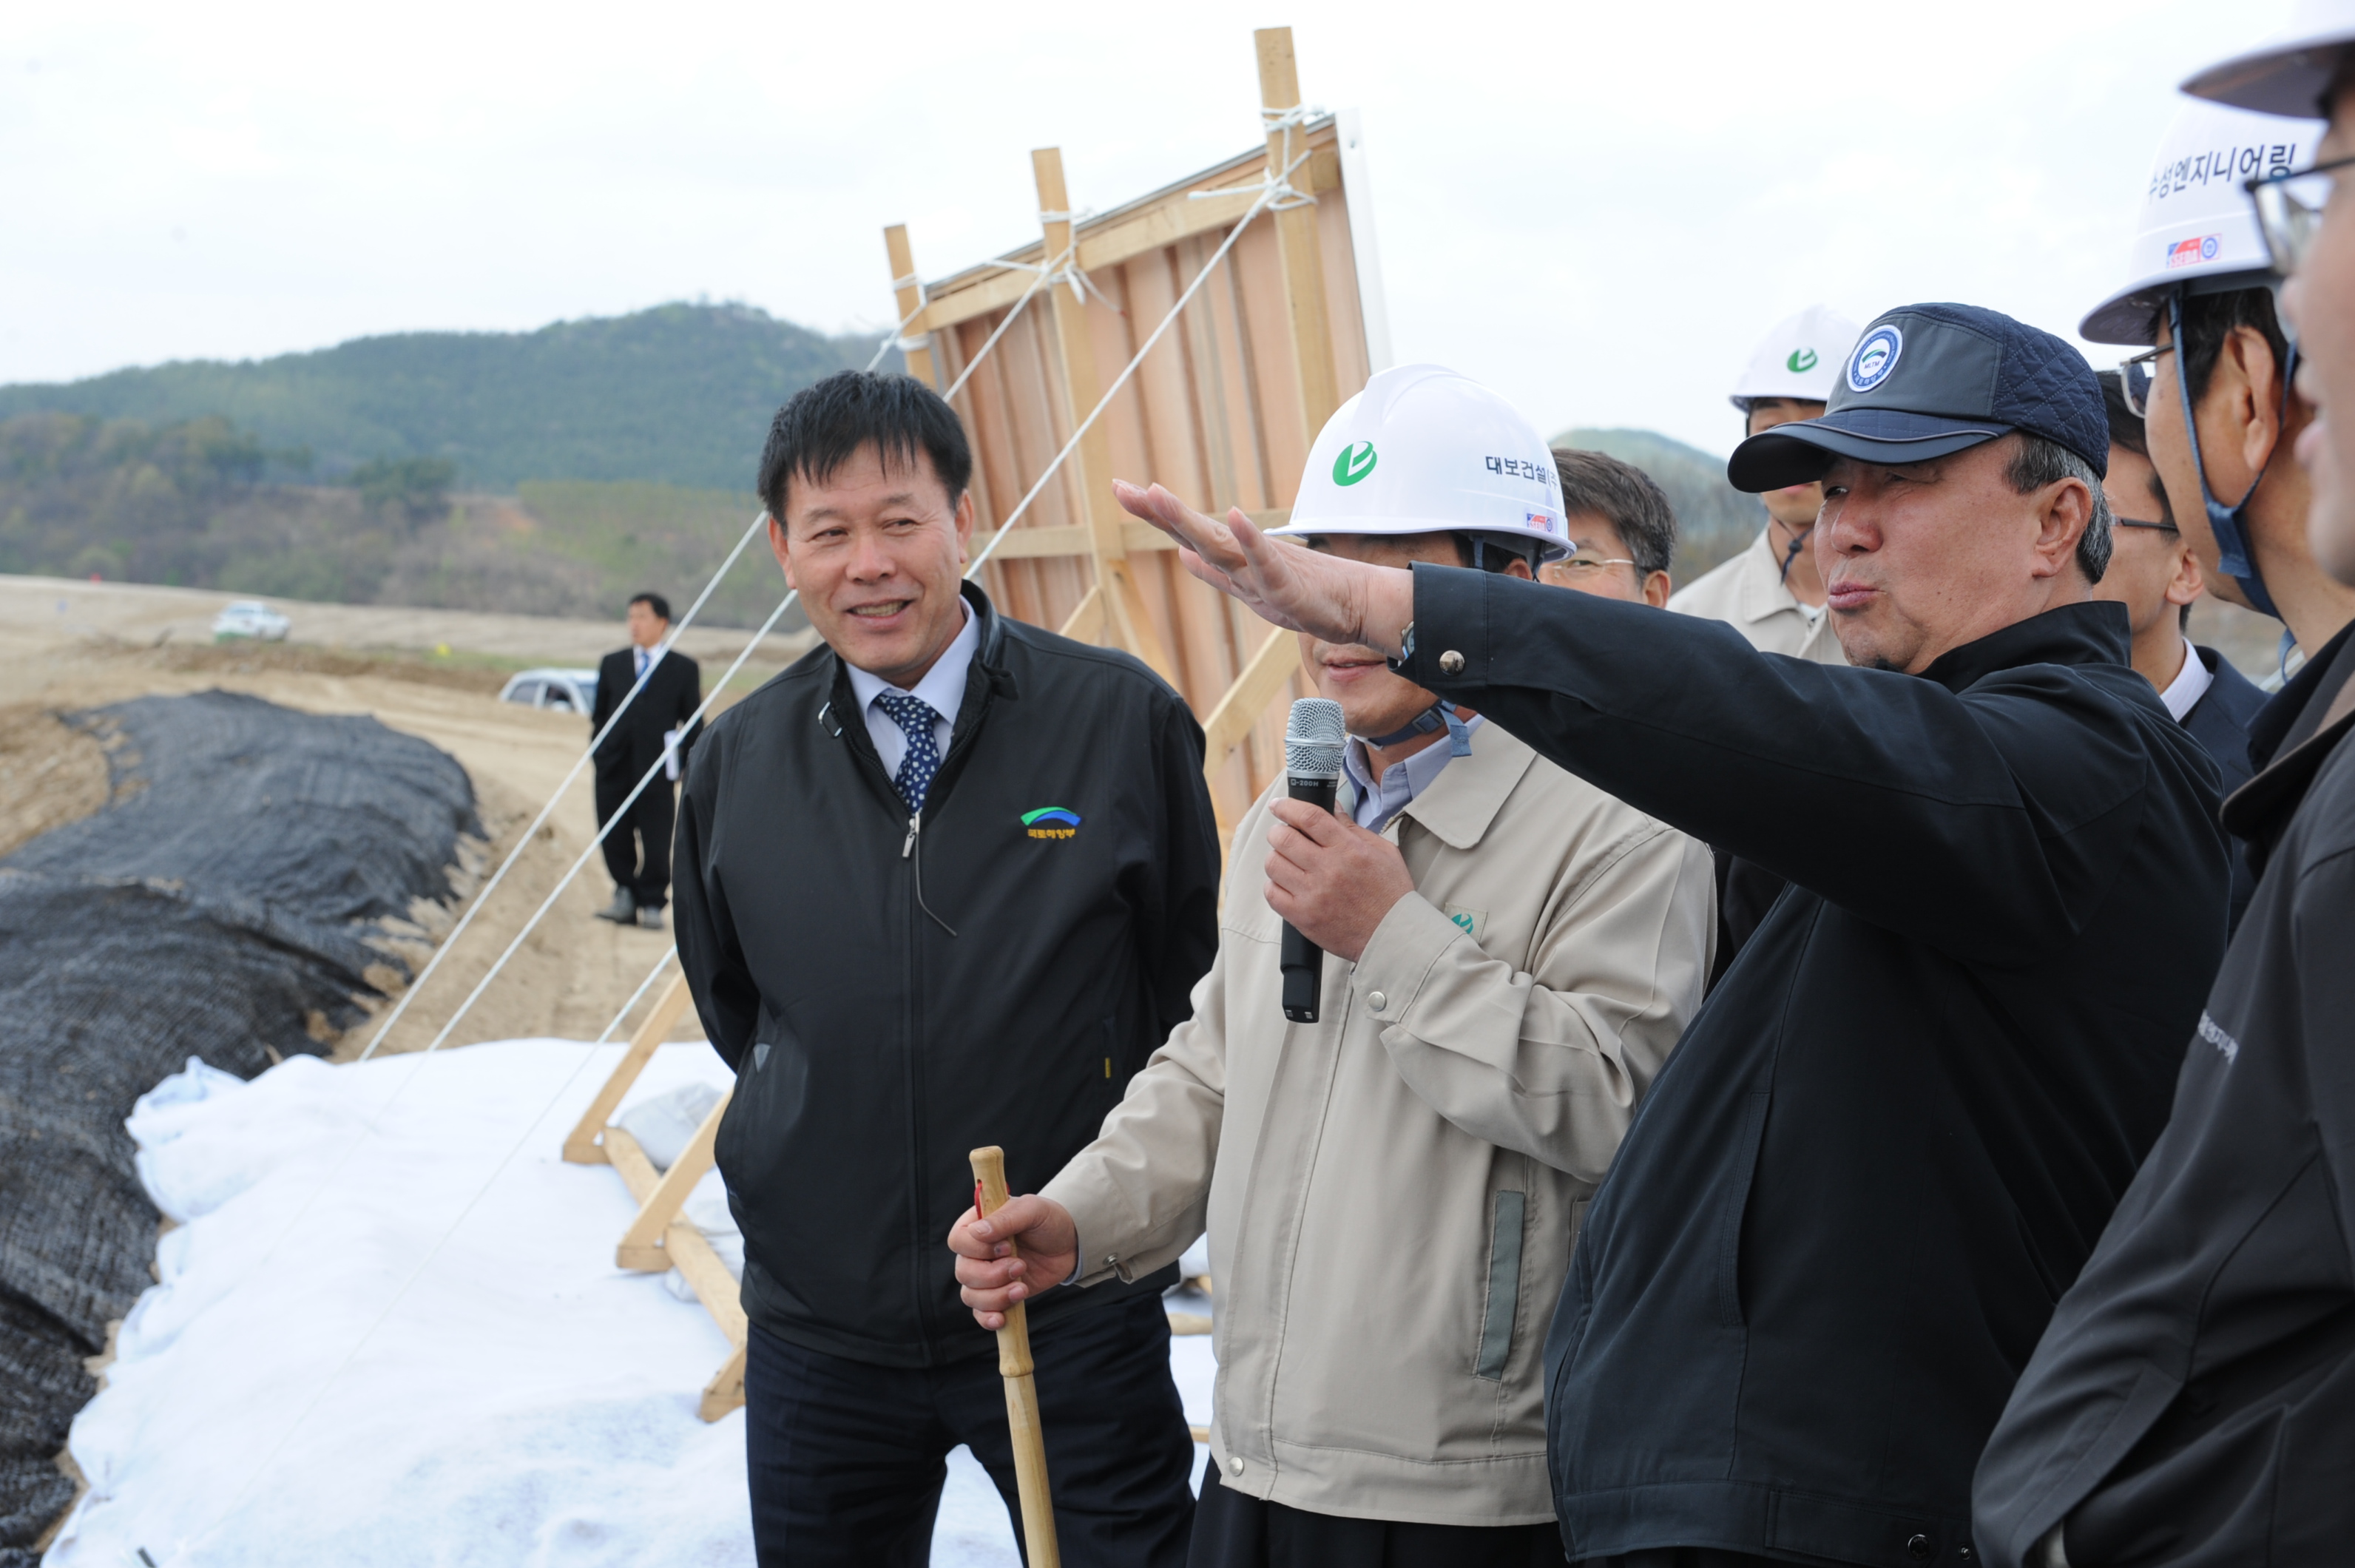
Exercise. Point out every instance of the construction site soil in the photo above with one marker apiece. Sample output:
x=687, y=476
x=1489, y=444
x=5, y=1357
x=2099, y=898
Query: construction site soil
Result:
x=242, y=852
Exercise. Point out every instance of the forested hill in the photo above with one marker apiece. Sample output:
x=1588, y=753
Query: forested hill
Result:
x=681, y=394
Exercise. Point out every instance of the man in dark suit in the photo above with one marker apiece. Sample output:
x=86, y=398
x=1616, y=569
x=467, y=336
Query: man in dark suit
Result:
x=2156, y=574
x=653, y=733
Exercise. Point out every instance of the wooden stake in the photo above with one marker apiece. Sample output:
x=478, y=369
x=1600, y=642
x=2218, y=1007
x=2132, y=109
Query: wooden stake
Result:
x=1091, y=466
x=906, y=292
x=1295, y=237
x=1021, y=1393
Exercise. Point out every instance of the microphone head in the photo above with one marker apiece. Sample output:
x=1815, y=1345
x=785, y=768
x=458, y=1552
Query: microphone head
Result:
x=1313, y=739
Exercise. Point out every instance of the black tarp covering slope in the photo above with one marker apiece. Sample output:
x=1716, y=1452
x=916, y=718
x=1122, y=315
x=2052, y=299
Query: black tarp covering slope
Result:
x=226, y=895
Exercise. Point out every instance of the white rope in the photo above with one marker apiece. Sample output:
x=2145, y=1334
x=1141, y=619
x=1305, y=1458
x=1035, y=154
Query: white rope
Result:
x=482, y=898
x=1275, y=186
x=644, y=986
x=893, y=339
x=1264, y=201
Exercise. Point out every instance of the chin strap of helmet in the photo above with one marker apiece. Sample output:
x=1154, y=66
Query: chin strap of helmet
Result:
x=2236, y=559
x=1798, y=542
x=1459, y=734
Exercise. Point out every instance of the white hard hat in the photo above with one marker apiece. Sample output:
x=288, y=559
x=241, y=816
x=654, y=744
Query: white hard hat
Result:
x=2289, y=73
x=2198, y=228
x=1424, y=450
x=1800, y=358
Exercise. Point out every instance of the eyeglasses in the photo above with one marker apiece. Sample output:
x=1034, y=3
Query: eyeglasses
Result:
x=1582, y=563
x=2133, y=523
x=2289, y=209
x=2134, y=379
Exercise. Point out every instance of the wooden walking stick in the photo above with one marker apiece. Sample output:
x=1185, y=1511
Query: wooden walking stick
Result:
x=1021, y=1393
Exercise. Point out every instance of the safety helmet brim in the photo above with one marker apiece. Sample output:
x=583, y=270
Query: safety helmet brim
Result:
x=2288, y=73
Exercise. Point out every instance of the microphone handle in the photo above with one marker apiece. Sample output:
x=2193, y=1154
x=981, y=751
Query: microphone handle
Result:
x=1301, y=960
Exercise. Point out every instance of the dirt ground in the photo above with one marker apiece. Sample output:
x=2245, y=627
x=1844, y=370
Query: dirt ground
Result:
x=432, y=673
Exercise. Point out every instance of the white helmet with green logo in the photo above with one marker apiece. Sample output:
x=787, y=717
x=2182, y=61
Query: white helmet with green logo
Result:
x=1800, y=358
x=1424, y=450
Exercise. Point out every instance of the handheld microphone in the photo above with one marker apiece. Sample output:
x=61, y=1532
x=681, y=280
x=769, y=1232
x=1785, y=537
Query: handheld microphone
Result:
x=1313, y=739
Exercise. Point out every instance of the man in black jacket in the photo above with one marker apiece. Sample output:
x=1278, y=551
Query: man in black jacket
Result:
x=1888, y=1140
x=652, y=734
x=2155, y=572
x=947, y=882
x=2194, y=1399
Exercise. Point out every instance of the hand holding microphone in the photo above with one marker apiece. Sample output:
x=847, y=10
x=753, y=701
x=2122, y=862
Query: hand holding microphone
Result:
x=1313, y=739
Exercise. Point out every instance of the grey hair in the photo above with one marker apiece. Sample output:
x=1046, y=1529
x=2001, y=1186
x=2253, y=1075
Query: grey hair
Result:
x=2037, y=463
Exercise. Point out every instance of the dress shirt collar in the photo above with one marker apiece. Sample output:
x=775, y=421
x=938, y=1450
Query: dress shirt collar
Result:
x=942, y=688
x=2189, y=685
x=1381, y=799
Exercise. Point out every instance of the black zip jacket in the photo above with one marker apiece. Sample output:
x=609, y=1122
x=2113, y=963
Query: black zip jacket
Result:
x=893, y=995
x=1891, y=1135
x=674, y=691
x=2194, y=1399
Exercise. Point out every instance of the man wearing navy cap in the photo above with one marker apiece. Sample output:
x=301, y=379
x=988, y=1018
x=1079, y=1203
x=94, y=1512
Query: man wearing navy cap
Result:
x=1883, y=1149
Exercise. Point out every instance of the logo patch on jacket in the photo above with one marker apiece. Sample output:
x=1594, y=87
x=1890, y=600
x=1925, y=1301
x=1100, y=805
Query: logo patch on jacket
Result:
x=1051, y=822
x=1472, y=921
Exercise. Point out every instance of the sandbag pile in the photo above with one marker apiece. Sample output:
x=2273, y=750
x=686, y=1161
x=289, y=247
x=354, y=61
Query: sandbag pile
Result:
x=221, y=906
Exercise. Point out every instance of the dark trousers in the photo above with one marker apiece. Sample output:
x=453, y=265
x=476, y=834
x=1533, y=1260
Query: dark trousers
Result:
x=848, y=1460
x=1233, y=1530
x=637, y=852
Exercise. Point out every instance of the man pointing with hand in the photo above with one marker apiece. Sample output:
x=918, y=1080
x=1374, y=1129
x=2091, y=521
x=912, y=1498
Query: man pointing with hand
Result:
x=1509, y=954
x=1830, y=1243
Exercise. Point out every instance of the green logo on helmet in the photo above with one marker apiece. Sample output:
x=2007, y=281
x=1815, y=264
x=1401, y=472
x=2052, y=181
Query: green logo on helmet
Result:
x=1801, y=361
x=1354, y=463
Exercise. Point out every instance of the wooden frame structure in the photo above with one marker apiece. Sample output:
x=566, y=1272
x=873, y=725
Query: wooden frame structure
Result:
x=1222, y=410
x=660, y=1238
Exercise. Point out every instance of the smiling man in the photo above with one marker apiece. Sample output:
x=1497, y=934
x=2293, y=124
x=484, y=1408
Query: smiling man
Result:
x=1887, y=1142
x=1510, y=955
x=945, y=882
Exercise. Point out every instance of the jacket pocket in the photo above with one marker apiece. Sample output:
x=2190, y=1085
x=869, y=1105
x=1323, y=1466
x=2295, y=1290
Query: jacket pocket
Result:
x=1504, y=1285
x=1729, y=1247
x=763, y=1111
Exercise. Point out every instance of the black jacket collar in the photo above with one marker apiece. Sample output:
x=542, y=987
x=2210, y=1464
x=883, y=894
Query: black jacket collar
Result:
x=2089, y=632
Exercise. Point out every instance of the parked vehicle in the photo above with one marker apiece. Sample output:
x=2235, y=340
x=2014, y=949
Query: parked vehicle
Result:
x=251, y=618
x=567, y=691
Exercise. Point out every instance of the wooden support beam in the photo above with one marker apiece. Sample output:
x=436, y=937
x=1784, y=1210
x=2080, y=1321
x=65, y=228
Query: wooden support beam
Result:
x=1091, y=464
x=1295, y=238
x=642, y=1246
x=581, y=1144
x=1245, y=701
x=907, y=295
x=1086, y=621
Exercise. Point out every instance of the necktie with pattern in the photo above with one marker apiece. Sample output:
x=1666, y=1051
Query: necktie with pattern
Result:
x=915, y=718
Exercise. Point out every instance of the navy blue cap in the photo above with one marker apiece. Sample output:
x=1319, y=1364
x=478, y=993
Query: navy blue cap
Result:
x=1928, y=380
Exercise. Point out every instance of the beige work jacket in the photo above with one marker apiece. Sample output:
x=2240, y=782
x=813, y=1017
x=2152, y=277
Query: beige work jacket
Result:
x=1747, y=594
x=1391, y=1193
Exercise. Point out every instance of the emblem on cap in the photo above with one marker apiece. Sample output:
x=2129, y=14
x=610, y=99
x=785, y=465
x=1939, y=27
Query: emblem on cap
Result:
x=1874, y=358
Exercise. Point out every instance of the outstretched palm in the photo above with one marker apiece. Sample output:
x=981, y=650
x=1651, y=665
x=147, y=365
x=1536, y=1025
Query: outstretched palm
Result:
x=1302, y=590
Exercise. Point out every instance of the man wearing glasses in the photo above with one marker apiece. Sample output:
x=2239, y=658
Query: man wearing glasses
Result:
x=2193, y=1399
x=2156, y=574
x=1623, y=531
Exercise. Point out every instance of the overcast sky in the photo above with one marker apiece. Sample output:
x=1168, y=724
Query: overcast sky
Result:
x=1596, y=207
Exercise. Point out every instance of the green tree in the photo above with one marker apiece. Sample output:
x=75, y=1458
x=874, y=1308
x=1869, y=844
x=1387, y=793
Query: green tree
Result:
x=418, y=488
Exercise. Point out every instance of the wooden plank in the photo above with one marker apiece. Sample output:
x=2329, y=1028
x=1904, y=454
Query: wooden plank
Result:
x=725, y=1392
x=1148, y=224
x=907, y=293
x=1247, y=700
x=642, y=1244
x=1086, y=622
x=581, y=1144
x=1027, y=544
x=638, y=1172
x=1296, y=239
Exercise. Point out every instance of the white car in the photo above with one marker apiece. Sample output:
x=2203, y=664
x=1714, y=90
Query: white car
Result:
x=251, y=618
x=566, y=691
